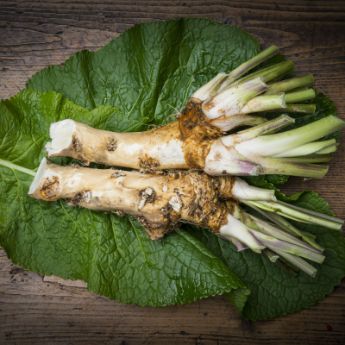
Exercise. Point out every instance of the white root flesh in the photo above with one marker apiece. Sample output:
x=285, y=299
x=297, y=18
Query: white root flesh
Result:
x=162, y=149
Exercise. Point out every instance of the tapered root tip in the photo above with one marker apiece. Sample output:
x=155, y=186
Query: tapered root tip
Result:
x=61, y=134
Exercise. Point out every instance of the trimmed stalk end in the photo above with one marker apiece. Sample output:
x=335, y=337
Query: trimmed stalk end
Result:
x=236, y=229
x=222, y=160
x=210, y=88
x=290, y=84
x=230, y=101
x=300, y=96
x=241, y=190
x=264, y=103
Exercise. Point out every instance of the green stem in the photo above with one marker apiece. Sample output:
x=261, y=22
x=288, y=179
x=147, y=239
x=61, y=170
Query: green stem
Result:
x=308, y=149
x=230, y=122
x=234, y=228
x=310, y=159
x=299, y=263
x=249, y=65
x=271, y=72
x=299, y=96
x=274, y=244
x=264, y=103
x=231, y=101
x=328, y=149
x=301, y=108
x=267, y=127
x=288, y=227
x=13, y=166
x=272, y=230
x=250, y=89
x=274, y=144
x=299, y=214
x=286, y=166
x=210, y=88
x=290, y=84
x=241, y=191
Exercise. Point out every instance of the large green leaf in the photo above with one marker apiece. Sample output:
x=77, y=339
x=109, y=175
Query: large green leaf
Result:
x=146, y=74
x=112, y=254
x=151, y=70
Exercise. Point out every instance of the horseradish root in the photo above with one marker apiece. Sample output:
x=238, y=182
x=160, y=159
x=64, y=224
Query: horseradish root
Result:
x=253, y=151
x=160, y=201
x=198, y=138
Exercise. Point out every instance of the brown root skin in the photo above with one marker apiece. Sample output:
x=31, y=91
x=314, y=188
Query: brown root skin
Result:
x=197, y=134
x=148, y=163
x=193, y=121
x=158, y=201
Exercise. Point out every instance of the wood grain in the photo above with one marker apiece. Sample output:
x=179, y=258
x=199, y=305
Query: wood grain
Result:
x=34, y=34
x=35, y=312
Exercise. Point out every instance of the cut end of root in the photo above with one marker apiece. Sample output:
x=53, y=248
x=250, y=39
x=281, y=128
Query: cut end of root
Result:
x=38, y=177
x=61, y=134
x=46, y=183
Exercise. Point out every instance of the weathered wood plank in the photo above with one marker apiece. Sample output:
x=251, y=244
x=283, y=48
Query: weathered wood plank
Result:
x=33, y=311
x=34, y=34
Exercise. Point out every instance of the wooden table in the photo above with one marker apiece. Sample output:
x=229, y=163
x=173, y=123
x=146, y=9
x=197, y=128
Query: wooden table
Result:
x=34, y=35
